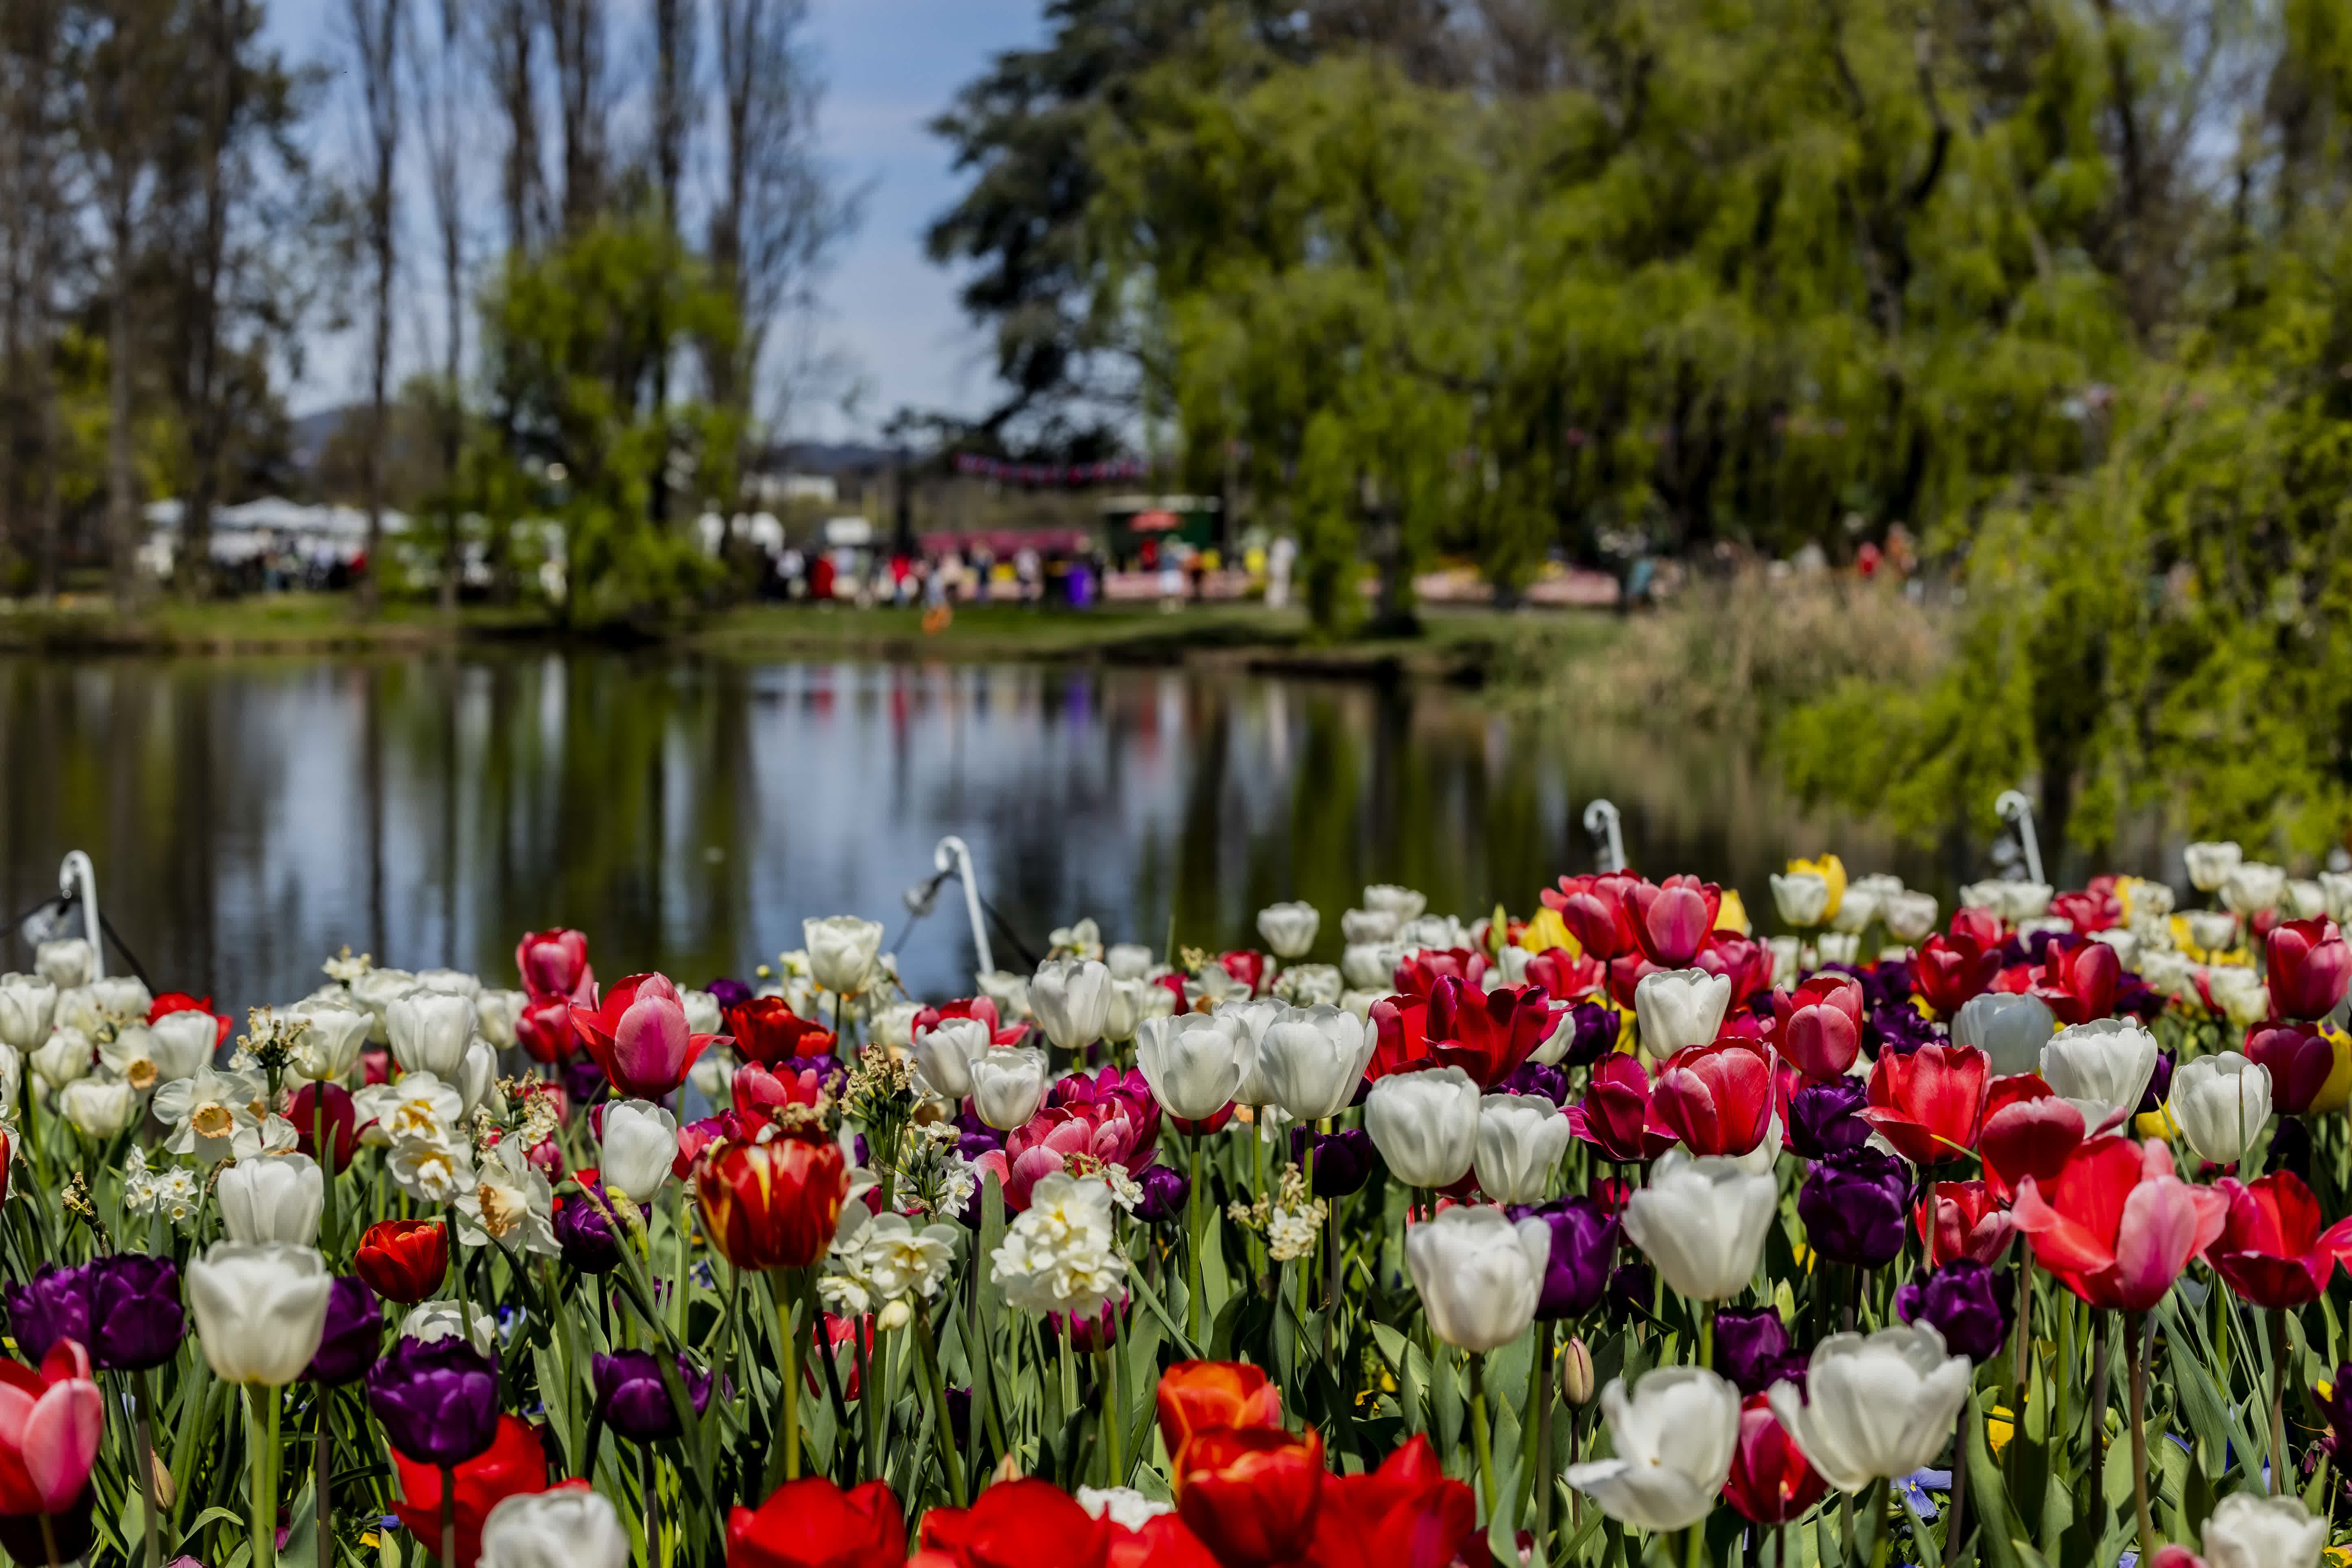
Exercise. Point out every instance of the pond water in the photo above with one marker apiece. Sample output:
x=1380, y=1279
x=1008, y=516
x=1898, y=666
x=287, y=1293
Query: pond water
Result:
x=249, y=818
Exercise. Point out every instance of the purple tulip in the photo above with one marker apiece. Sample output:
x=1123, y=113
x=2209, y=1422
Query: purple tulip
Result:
x=135, y=1315
x=2336, y=1410
x=586, y=1236
x=1583, y=1245
x=1752, y=1350
x=632, y=1400
x=438, y=1403
x=1631, y=1290
x=1853, y=1206
x=2290, y=1148
x=354, y=1334
x=2159, y=1084
x=1898, y=1026
x=583, y=1080
x=729, y=992
x=1595, y=1036
x=54, y=1306
x=1963, y=1300
x=1535, y=1078
x=1343, y=1160
x=1824, y=1117
x=1164, y=1191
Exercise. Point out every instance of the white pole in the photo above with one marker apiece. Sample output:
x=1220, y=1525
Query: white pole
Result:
x=954, y=855
x=77, y=878
x=1599, y=818
x=2016, y=810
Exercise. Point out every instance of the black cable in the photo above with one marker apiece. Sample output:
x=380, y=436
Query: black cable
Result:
x=124, y=948
x=1028, y=958
x=18, y=923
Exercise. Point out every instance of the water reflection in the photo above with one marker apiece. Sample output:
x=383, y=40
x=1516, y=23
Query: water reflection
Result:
x=246, y=817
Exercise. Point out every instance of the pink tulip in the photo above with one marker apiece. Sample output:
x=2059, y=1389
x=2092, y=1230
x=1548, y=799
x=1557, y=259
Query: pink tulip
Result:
x=50, y=1425
x=555, y=963
x=2117, y=1226
x=639, y=1035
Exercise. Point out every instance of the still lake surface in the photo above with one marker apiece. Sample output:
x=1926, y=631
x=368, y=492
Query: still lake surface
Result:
x=249, y=817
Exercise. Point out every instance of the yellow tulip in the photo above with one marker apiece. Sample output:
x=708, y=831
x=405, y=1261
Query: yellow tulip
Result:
x=1830, y=869
x=1544, y=931
x=2334, y=1094
x=1732, y=915
x=2157, y=1123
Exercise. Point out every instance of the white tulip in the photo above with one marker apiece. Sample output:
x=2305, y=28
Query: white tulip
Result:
x=2249, y=1531
x=640, y=1142
x=1254, y=1015
x=2303, y=899
x=1674, y=1443
x=1128, y=1002
x=1289, y=929
x=563, y=1528
x=1008, y=1085
x=2009, y=1027
x=64, y=1057
x=1837, y=947
x=2209, y=864
x=276, y=1199
x=1909, y=916
x=1801, y=898
x=27, y=1003
x=1786, y=952
x=259, y=1310
x=1368, y=926
x=1856, y=910
x=2240, y=990
x=377, y=989
x=1312, y=1060
x=477, y=1079
x=1478, y=1275
x=1371, y=965
x=1703, y=1223
x=1679, y=1007
x=1521, y=1138
x=1127, y=961
x=430, y=1320
x=1442, y=932
x=1194, y=1063
x=946, y=1051
x=1874, y=1407
x=328, y=1048
x=1123, y=1506
x=1009, y=991
x=1401, y=902
x=98, y=1107
x=841, y=951
x=64, y=964
x=894, y=1026
x=183, y=1041
x=2024, y=902
x=2253, y=886
x=1360, y=1003
x=12, y=1079
x=2100, y=1067
x=1425, y=1126
x=2213, y=930
x=713, y=1074
x=2125, y=941
x=2220, y=1102
x=450, y=983
x=2169, y=973
x=429, y=1031
x=1985, y=895
x=1071, y=997
x=495, y=1013
x=2336, y=892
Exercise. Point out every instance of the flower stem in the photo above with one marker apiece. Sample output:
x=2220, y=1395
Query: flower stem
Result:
x=49, y=1539
x=1192, y=1226
x=2133, y=1349
x=448, y=1514
x=1479, y=1437
x=788, y=1417
x=458, y=1273
x=948, y=1459
x=2278, y=1402
x=143, y=1393
x=1114, y=1471
x=261, y=1473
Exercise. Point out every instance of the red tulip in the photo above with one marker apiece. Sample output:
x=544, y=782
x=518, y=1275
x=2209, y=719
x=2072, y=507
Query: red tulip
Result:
x=1770, y=1481
x=1747, y=962
x=1250, y=1494
x=1820, y=1028
x=1025, y=1523
x=2309, y=965
x=1963, y=1219
x=1401, y=1030
x=984, y=1009
x=1625, y=976
x=2079, y=984
x=51, y=1422
x=343, y=1121
x=172, y=1002
x=1979, y=926
x=1197, y=1396
x=1247, y=965
x=1164, y=1541
x=2088, y=912
x=1930, y=1104
x=1564, y=976
x=2116, y=1227
x=555, y=963
x=813, y=1523
x=1596, y=912
x=773, y=1204
x=2300, y=1059
x=758, y=1092
x=514, y=1463
x=1717, y=1099
x=2272, y=1250
x=404, y=1260
x=640, y=1036
x=1947, y=970
x=1673, y=919
x=1486, y=1034
x=1418, y=974
x=1405, y=1514
x=2028, y=1131
x=1616, y=1115
x=543, y=1029
x=767, y=1030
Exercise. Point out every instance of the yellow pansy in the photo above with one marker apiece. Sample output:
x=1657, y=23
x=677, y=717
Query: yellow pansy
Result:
x=1999, y=1429
x=1544, y=931
x=2157, y=1123
x=1732, y=915
x=1830, y=869
x=2337, y=1089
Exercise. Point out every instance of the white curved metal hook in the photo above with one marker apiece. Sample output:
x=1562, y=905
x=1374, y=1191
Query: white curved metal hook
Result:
x=2016, y=808
x=953, y=856
x=1601, y=821
x=77, y=878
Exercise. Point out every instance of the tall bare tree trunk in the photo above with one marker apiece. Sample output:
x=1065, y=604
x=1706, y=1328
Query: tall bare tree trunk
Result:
x=208, y=410
x=575, y=28
x=376, y=26
x=674, y=25
x=446, y=180
x=122, y=467
x=511, y=34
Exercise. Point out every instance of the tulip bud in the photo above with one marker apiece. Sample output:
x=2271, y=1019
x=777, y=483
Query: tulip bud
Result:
x=1575, y=1373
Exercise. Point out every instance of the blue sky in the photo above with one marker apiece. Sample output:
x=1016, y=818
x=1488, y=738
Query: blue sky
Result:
x=889, y=316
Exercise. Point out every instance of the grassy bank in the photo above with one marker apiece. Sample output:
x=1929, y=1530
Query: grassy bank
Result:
x=1467, y=646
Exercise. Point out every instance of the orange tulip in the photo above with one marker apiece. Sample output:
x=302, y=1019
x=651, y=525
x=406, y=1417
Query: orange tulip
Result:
x=1197, y=1396
x=1250, y=1494
x=773, y=1204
